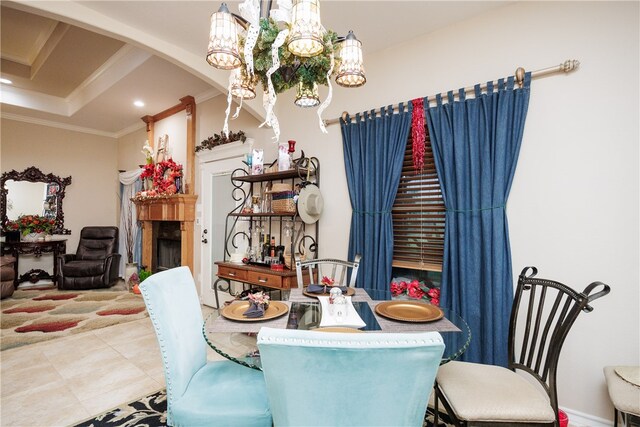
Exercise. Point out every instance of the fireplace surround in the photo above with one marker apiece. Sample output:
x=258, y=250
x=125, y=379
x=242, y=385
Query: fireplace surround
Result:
x=179, y=209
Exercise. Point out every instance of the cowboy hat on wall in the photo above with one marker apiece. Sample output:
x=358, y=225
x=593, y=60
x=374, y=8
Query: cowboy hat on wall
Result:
x=310, y=204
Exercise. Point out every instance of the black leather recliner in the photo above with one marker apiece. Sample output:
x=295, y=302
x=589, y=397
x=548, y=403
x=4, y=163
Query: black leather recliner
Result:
x=95, y=263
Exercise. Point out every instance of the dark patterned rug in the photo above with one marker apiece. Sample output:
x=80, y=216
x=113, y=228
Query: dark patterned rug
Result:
x=151, y=411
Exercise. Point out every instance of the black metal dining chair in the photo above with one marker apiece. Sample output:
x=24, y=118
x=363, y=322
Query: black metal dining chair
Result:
x=542, y=314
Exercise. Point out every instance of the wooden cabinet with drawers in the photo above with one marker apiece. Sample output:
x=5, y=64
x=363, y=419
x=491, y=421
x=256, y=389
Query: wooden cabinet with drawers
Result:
x=258, y=276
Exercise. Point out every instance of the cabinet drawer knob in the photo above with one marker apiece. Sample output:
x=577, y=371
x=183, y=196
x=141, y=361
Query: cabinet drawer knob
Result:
x=231, y=274
x=262, y=280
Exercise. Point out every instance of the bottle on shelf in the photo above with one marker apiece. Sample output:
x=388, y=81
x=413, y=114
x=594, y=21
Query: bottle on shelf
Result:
x=265, y=247
x=272, y=247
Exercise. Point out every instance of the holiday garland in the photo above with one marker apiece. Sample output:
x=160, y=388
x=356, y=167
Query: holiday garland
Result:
x=418, y=134
x=308, y=70
x=219, y=139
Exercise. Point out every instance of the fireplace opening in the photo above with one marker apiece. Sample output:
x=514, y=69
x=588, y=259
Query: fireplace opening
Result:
x=168, y=245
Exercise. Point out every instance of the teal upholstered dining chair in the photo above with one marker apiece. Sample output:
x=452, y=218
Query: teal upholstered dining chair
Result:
x=199, y=393
x=348, y=379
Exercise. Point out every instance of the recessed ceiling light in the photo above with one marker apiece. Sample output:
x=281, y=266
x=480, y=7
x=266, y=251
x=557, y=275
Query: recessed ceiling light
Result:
x=6, y=81
x=138, y=103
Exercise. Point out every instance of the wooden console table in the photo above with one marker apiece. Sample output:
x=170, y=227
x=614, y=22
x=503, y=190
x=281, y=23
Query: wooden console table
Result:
x=55, y=247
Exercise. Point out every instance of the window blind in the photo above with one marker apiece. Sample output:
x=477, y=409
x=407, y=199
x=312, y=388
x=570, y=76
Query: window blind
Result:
x=418, y=214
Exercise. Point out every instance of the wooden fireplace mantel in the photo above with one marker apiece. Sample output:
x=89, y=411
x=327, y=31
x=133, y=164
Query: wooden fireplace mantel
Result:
x=179, y=207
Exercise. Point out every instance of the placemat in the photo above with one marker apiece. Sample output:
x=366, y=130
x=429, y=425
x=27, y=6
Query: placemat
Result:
x=222, y=324
x=296, y=295
x=388, y=325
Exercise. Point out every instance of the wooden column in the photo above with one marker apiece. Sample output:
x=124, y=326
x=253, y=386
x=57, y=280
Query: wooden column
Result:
x=147, y=243
x=190, y=106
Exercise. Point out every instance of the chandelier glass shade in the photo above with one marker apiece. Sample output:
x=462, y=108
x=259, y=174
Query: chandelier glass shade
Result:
x=223, y=40
x=307, y=95
x=305, y=39
x=242, y=86
x=351, y=70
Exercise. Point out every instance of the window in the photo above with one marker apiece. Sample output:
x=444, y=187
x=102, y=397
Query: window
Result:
x=418, y=214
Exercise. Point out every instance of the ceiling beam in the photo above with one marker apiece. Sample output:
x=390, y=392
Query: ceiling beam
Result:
x=48, y=47
x=123, y=62
x=84, y=17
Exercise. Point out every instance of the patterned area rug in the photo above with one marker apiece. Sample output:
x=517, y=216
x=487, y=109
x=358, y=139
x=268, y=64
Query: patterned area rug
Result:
x=151, y=411
x=35, y=315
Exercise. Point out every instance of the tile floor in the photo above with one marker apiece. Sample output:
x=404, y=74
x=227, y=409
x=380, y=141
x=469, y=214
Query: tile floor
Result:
x=67, y=380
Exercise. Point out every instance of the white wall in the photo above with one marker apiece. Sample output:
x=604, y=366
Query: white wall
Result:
x=90, y=160
x=573, y=210
x=130, y=155
x=175, y=127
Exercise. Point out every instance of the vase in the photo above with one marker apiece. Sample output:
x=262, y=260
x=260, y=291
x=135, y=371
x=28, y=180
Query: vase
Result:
x=32, y=237
x=129, y=269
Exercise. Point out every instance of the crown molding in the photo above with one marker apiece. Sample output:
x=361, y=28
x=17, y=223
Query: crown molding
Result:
x=205, y=96
x=49, y=123
x=129, y=129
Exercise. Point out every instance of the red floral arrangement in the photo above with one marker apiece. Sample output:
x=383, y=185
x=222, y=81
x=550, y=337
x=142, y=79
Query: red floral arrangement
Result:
x=327, y=281
x=416, y=290
x=164, y=176
x=31, y=224
x=147, y=171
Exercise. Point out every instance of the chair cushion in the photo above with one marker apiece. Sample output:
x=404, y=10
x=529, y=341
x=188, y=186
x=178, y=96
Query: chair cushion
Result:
x=624, y=395
x=223, y=394
x=83, y=268
x=7, y=260
x=7, y=273
x=492, y=394
x=97, y=243
x=6, y=289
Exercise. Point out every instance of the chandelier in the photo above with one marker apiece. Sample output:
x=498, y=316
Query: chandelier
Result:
x=283, y=48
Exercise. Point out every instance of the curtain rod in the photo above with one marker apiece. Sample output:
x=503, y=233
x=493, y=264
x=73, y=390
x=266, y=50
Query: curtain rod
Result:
x=565, y=67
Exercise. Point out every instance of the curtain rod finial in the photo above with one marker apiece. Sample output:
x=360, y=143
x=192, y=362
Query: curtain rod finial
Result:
x=569, y=65
x=520, y=76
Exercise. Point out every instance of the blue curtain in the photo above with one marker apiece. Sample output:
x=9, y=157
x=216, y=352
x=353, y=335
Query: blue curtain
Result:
x=475, y=145
x=373, y=153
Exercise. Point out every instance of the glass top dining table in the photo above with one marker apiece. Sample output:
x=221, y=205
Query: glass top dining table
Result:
x=237, y=340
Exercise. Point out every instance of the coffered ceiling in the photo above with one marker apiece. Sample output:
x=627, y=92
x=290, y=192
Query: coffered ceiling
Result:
x=83, y=63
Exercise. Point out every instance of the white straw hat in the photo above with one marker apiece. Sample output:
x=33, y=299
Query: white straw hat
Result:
x=310, y=204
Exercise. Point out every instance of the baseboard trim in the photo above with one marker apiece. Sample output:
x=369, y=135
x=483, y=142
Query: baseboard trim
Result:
x=580, y=419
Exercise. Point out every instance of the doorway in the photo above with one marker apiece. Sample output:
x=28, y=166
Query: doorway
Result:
x=217, y=202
